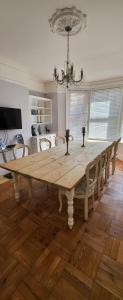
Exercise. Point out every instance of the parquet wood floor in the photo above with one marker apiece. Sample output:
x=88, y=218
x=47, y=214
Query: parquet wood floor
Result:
x=41, y=259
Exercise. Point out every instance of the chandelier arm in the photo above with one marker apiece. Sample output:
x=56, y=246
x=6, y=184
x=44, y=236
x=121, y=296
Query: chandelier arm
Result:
x=60, y=81
x=81, y=77
x=77, y=81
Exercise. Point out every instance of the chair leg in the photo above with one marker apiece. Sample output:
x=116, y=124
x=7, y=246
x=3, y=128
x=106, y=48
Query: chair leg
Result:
x=60, y=201
x=105, y=175
x=16, y=187
x=108, y=167
x=113, y=167
x=93, y=198
x=98, y=188
x=86, y=208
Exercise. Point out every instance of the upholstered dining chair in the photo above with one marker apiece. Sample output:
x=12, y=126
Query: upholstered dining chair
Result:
x=59, y=140
x=44, y=144
x=114, y=154
x=25, y=151
x=86, y=187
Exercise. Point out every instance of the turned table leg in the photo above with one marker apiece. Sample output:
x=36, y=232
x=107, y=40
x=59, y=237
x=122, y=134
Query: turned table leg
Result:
x=16, y=187
x=69, y=195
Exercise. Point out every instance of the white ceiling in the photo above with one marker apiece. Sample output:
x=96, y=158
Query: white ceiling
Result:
x=26, y=39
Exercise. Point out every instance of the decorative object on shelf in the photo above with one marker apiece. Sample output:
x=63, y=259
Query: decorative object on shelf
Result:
x=47, y=129
x=67, y=140
x=19, y=138
x=33, y=131
x=83, y=135
x=67, y=22
x=39, y=130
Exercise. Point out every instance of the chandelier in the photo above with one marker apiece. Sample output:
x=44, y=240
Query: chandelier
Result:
x=67, y=22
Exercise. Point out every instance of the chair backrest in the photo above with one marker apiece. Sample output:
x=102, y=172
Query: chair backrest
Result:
x=109, y=152
x=115, y=148
x=91, y=173
x=59, y=140
x=44, y=144
x=23, y=147
x=102, y=162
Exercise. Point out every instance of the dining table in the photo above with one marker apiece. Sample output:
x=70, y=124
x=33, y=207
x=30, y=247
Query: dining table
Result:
x=54, y=168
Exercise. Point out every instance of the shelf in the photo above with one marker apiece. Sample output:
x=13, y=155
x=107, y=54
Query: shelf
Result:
x=35, y=106
x=42, y=115
x=38, y=98
x=41, y=123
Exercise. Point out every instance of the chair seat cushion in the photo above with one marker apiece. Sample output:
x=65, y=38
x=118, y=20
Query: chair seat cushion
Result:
x=81, y=188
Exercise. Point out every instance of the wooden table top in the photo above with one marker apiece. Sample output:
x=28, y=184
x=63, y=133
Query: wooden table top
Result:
x=53, y=167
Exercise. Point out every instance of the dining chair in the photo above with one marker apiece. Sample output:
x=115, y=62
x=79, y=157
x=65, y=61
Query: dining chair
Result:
x=23, y=147
x=22, y=150
x=109, y=152
x=114, y=155
x=104, y=167
x=44, y=144
x=86, y=187
x=101, y=172
x=59, y=140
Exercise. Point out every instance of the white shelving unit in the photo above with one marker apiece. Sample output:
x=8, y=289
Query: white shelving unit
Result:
x=41, y=111
x=41, y=117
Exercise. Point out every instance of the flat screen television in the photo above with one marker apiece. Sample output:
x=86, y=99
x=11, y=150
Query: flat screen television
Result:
x=10, y=118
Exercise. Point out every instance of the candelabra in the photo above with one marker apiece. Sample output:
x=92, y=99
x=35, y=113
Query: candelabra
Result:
x=83, y=135
x=67, y=140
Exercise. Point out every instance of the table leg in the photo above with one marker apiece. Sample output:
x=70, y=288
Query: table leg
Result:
x=70, y=196
x=16, y=187
x=60, y=200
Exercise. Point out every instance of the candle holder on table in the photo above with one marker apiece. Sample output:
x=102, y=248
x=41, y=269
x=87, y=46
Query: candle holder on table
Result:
x=67, y=140
x=83, y=136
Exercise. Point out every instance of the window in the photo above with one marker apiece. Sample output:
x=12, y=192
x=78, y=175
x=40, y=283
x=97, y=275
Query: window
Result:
x=105, y=114
x=77, y=112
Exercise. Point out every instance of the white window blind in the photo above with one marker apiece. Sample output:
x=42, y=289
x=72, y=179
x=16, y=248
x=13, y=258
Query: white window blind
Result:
x=105, y=114
x=77, y=112
x=122, y=125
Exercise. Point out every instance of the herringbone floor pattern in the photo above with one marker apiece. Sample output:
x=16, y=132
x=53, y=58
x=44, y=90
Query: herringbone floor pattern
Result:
x=40, y=258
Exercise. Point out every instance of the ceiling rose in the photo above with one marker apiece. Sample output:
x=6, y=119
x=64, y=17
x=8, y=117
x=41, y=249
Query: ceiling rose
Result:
x=68, y=16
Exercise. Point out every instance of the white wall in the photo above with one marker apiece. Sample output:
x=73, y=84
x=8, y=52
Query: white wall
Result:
x=61, y=98
x=19, y=75
x=58, y=112
x=53, y=96
x=16, y=96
